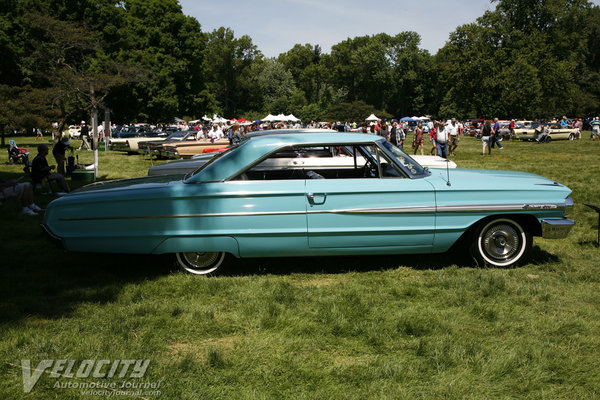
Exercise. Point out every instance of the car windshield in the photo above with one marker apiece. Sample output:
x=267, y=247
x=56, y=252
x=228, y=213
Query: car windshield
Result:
x=177, y=135
x=214, y=158
x=403, y=159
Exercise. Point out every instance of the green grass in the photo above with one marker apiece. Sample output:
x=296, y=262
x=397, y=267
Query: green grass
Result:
x=401, y=327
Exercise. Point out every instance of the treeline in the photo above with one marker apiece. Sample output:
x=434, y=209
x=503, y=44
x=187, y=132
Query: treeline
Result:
x=144, y=60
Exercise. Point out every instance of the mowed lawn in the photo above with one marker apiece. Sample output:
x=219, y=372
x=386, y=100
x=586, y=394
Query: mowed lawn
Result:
x=397, y=327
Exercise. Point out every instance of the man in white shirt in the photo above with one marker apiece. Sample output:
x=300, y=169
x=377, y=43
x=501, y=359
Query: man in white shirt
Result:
x=442, y=140
x=452, y=127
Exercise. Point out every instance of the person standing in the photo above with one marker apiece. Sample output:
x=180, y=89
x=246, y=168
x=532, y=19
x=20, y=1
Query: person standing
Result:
x=577, y=125
x=442, y=140
x=85, y=135
x=59, y=152
x=418, y=138
x=432, y=137
x=236, y=135
x=397, y=135
x=384, y=132
x=495, y=138
x=486, y=134
x=454, y=135
x=595, y=128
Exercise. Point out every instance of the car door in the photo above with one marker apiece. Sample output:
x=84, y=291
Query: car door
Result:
x=382, y=213
x=264, y=216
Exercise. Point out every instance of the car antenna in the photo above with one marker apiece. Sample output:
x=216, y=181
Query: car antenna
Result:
x=448, y=173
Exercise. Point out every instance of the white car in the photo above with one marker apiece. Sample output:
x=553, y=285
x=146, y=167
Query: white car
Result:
x=318, y=158
x=74, y=131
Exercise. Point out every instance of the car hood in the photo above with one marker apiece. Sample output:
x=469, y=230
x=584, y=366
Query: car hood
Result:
x=491, y=180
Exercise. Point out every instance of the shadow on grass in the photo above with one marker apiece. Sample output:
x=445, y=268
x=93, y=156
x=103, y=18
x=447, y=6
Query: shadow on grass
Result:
x=49, y=283
x=344, y=264
x=44, y=281
x=538, y=256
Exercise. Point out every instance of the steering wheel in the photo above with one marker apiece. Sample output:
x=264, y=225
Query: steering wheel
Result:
x=369, y=170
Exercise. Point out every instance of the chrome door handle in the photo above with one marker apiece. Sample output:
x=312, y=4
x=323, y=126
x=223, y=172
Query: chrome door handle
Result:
x=316, y=198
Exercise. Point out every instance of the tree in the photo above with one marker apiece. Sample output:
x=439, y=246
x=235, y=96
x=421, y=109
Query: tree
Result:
x=229, y=66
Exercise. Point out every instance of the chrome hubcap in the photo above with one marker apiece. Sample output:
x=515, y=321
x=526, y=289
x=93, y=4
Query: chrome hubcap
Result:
x=501, y=242
x=200, y=260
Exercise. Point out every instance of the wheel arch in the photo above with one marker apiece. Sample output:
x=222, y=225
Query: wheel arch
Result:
x=529, y=223
x=183, y=244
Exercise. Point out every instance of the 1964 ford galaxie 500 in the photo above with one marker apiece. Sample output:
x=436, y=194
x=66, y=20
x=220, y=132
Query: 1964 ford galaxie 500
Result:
x=244, y=203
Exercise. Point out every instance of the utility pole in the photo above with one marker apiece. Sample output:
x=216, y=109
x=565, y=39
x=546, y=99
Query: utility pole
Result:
x=94, y=130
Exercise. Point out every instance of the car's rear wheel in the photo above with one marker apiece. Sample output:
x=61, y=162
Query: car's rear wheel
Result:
x=201, y=263
x=500, y=242
x=571, y=137
x=548, y=139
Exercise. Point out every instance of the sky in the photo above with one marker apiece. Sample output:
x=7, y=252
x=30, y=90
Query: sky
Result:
x=275, y=26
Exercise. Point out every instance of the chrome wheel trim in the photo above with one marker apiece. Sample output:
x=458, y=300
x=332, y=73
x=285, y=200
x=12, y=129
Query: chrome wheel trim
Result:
x=200, y=263
x=502, y=242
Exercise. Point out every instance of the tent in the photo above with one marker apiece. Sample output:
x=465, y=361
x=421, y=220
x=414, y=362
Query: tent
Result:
x=407, y=119
x=280, y=117
x=371, y=117
x=291, y=118
x=269, y=118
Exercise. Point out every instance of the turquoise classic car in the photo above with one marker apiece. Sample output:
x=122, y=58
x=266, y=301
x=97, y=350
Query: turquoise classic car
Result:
x=244, y=203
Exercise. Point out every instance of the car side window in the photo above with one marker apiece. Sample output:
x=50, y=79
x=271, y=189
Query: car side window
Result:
x=314, y=162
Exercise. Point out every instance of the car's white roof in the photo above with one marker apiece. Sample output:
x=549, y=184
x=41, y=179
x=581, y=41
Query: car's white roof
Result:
x=251, y=150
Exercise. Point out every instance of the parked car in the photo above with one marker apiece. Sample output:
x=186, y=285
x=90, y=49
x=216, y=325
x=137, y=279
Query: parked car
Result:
x=187, y=149
x=558, y=132
x=74, y=131
x=526, y=130
x=244, y=203
x=504, y=130
x=156, y=146
x=128, y=142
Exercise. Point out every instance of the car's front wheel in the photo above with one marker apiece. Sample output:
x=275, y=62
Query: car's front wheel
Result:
x=500, y=242
x=201, y=263
x=571, y=136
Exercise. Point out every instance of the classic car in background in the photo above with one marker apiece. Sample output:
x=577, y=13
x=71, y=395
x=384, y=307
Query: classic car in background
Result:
x=557, y=132
x=188, y=149
x=156, y=146
x=127, y=141
x=245, y=203
x=525, y=130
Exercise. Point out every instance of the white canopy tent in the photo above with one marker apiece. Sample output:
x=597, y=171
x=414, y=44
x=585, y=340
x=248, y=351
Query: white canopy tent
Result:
x=291, y=118
x=269, y=118
x=371, y=117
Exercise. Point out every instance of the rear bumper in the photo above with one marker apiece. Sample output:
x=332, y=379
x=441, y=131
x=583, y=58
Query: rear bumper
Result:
x=556, y=228
x=57, y=241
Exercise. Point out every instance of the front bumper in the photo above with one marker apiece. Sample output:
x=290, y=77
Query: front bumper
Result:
x=556, y=228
